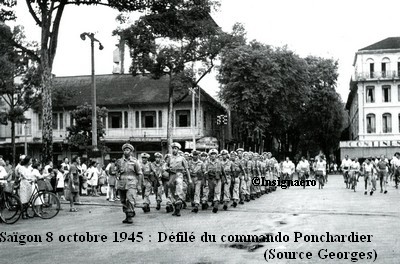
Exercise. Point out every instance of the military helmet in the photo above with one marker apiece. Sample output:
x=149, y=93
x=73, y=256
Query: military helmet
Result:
x=239, y=149
x=213, y=151
x=203, y=154
x=233, y=153
x=145, y=155
x=176, y=144
x=158, y=154
x=129, y=146
x=195, y=153
x=224, y=152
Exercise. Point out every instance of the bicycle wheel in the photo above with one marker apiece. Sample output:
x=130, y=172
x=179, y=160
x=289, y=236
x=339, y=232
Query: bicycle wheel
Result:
x=10, y=209
x=46, y=205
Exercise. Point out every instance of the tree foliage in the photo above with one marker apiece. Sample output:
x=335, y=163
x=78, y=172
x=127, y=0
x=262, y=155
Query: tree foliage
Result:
x=19, y=86
x=280, y=95
x=170, y=39
x=47, y=15
x=80, y=134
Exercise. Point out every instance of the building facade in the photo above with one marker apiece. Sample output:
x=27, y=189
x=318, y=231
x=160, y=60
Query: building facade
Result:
x=374, y=101
x=137, y=113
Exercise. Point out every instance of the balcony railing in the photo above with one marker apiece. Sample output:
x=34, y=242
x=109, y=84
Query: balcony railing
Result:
x=377, y=75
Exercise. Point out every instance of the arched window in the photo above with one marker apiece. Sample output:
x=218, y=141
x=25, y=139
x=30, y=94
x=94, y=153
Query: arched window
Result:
x=371, y=67
x=387, y=123
x=371, y=128
x=385, y=65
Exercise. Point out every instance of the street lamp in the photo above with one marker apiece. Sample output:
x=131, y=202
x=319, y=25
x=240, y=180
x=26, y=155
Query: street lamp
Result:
x=94, y=115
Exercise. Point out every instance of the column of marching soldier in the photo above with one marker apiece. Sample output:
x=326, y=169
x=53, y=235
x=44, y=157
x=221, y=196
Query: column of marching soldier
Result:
x=198, y=177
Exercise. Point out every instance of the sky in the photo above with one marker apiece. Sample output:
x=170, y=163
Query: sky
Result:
x=330, y=29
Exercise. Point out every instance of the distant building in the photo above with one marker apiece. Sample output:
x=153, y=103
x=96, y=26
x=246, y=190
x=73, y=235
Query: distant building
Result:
x=137, y=113
x=374, y=101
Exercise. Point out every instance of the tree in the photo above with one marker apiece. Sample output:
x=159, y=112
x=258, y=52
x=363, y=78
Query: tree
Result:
x=326, y=116
x=169, y=40
x=80, y=134
x=18, y=97
x=266, y=87
x=47, y=14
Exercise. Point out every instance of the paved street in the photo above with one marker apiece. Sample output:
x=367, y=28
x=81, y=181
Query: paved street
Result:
x=311, y=211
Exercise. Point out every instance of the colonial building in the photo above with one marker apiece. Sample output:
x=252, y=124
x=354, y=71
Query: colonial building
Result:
x=137, y=113
x=374, y=101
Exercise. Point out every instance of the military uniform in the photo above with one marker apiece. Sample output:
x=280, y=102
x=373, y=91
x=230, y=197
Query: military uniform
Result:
x=243, y=179
x=197, y=170
x=130, y=177
x=177, y=165
x=158, y=170
x=227, y=166
x=147, y=182
x=237, y=174
x=214, y=172
x=249, y=186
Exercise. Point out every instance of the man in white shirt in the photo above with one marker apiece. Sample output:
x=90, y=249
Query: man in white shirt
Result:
x=395, y=163
x=303, y=167
x=345, y=166
x=368, y=171
x=288, y=168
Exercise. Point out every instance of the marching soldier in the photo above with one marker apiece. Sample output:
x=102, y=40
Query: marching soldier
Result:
x=237, y=171
x=214, y=172
x=177, y=165
x=243, y=176
x=206, y=192
x=197, y=169
x=228, y=170
x=147, y=181
x=130, y=179
x=165, y=180
x=157, y=168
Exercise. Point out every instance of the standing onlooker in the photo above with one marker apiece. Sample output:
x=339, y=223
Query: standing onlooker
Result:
x=27, y=179
x=111, y=171
x=60, y=182
x=93, y=177
x=73, y=183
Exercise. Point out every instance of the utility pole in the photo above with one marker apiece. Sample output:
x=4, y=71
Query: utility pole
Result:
x=94, y=103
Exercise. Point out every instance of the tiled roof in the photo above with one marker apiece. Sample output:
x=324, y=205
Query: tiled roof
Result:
x=118, y=89
x=389, y=43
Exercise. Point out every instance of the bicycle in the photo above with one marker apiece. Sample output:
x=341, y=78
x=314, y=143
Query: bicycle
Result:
x=353, y=179
x=10, y=205
x=303, y=177
x=43, y=203
x=347, y=179
x=319, y=175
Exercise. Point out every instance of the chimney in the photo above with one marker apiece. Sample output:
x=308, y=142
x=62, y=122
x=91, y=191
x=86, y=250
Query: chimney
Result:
x=119, y=58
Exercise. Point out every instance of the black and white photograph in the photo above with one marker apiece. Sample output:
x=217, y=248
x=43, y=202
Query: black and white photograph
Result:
x=199, y=131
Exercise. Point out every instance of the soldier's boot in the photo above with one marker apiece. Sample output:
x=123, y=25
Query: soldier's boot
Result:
x=193, y=204
x=225, y=206
x=215, y=209
x=204, y=206
x=169, y=208
x=146, y=208
x=158, y=207
x=184, y=205
x=234, y=204
x=258, y=195
x=195, y=209
x=247, y=198
x=252, y=197
x=128, y=219
x=177, y=211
